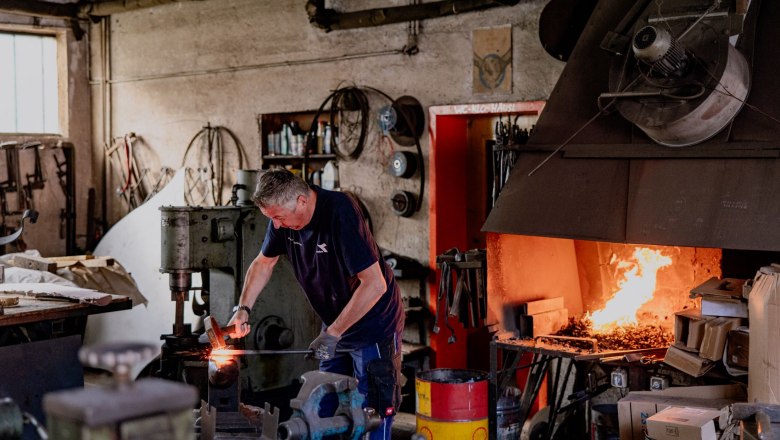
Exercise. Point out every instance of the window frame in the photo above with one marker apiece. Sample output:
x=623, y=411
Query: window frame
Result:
x=61, y=42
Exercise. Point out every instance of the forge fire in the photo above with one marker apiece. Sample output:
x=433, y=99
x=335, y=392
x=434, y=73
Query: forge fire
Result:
x=634, y=315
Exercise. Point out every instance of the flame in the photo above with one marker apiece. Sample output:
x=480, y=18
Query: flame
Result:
x=219, y=357
x=635, y=289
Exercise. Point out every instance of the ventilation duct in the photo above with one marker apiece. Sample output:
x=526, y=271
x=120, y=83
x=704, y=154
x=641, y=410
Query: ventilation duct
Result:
x=330, y=19
x=606, y=176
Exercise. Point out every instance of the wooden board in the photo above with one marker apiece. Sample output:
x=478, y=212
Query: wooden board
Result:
x=55, y=291
x=31, y=310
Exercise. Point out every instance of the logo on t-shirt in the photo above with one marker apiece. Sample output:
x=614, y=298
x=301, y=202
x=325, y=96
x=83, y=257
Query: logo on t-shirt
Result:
x=321, y=248
x=295, y=242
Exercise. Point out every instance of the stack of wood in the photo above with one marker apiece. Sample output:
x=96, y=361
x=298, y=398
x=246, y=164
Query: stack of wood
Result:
x=101, y=274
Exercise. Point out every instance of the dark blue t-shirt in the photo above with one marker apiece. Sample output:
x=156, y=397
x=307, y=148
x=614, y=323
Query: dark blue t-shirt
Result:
x=326, y=256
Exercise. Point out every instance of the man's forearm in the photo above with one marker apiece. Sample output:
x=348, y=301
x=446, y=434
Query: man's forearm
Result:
x=372, y=286
x=257, y=277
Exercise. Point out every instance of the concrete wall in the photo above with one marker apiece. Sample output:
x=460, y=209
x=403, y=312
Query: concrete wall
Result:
x=174, y=68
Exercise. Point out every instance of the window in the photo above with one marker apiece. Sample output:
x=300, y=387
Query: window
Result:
x=28, y=84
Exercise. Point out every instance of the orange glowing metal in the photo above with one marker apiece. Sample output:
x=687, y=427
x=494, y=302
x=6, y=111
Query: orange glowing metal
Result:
x=220, y=357
x=635, y=289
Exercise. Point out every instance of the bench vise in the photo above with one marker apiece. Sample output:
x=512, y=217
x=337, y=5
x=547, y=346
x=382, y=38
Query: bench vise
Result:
x=349, y=420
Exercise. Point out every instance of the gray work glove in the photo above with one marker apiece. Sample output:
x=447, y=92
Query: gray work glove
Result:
x=323, y=347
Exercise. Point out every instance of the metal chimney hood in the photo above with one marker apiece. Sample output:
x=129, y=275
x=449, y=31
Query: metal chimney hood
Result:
x=613, y=180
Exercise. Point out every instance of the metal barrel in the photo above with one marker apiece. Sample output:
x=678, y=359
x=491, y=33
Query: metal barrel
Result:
x=508, y=422
x=452, y=404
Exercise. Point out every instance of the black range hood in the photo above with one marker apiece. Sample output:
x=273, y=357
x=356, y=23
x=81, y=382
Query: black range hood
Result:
x=612, y=182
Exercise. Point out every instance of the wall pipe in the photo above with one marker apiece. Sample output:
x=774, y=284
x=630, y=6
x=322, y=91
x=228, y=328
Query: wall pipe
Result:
x=330, y=19
x=106, y=8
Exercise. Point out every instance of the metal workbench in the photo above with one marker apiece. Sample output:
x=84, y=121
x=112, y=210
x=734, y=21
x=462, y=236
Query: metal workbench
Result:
x=545, y=359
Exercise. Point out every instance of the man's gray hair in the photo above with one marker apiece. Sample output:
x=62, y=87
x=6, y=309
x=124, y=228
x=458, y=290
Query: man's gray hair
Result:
x=278, y=187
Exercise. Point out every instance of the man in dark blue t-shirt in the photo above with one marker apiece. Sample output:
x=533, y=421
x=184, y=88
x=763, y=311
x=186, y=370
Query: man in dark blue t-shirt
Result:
x=338, y=264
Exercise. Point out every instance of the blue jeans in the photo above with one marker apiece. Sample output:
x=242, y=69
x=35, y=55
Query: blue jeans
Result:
x=357, y=363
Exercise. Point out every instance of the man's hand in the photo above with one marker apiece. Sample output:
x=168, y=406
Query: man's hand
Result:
x=323, y=347
x=240, y=319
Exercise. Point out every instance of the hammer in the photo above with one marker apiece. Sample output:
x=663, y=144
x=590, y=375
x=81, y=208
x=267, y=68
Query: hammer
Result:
x=215, y=333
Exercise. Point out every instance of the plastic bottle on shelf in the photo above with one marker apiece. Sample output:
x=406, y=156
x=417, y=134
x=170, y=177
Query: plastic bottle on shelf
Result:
x=316, y=177
x=327, y=138
x=321, y=137
x=295, y=139
x=285, y=144
x=330, y=175
x=278, y=142
x=271, y=147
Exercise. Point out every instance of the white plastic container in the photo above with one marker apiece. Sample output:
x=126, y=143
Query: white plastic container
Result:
x=330, y=175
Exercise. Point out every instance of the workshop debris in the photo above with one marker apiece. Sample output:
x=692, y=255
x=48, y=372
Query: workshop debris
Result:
x=11, y=301
x=722, y=297
x=687, y=362
x=635, y=409
x=84, y=260
x=57, y=292
x=689, y=423
x=34, y=262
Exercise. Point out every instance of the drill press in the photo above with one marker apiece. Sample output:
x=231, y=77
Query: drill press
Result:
x=218, y=244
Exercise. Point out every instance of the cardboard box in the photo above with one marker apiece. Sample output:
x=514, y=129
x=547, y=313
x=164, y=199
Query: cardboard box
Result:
x=714, y=341
x=720, y=288
x=675, y=423
x=764, y=355
x=687, y=362
x=683, y=321
x=724, y=307
x=638, y=406
x=695, y=334
x=738, y=349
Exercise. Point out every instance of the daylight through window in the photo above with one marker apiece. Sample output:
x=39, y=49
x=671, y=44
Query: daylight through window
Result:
x=28, y=84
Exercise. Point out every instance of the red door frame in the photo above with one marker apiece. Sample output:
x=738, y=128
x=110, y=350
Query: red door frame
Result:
x=448, y=166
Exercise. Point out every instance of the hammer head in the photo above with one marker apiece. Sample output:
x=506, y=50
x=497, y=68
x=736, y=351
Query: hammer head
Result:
x=214, y=333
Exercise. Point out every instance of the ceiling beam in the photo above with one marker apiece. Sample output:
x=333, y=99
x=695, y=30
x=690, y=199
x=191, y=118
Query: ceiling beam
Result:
x=38, y=8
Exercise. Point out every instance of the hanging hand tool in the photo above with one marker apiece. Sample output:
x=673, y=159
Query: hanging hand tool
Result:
x=28, y=213
x=460, y=286
x=443, y=289
x=469, y=300
x=444, y=298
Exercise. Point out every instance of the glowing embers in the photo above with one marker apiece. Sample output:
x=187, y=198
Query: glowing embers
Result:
x=635, y=288
x=629, y=279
